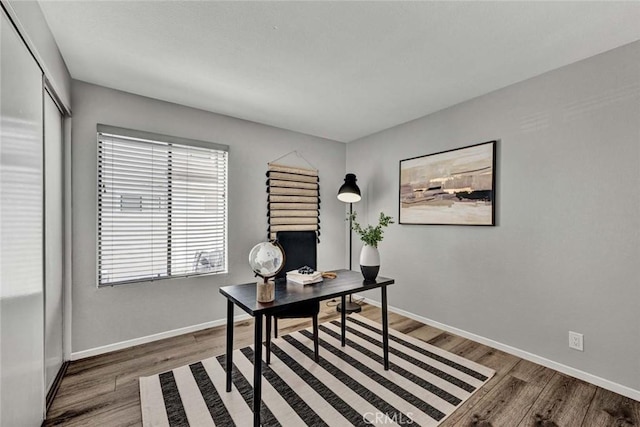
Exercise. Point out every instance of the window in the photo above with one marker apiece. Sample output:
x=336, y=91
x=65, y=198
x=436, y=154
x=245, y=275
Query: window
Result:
x=162, y=207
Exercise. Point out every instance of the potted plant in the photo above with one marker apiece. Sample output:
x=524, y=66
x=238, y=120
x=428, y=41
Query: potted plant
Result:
x=370, y=236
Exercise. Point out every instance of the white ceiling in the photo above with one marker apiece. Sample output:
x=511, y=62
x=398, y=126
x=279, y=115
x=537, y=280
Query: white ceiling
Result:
x=339, y=70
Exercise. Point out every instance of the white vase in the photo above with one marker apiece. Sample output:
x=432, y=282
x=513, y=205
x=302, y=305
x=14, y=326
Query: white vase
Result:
x=369, y=262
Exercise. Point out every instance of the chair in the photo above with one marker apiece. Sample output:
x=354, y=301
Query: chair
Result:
x=300, y=249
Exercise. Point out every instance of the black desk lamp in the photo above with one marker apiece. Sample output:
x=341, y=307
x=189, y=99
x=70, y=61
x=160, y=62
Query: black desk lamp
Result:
x=350, y=193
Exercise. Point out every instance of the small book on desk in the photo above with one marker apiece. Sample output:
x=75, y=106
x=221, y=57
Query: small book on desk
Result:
x=304, y=279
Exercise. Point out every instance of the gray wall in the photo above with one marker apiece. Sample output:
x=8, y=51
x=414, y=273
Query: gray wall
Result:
x=565, y=252
x=36, y=32
x=110, y=315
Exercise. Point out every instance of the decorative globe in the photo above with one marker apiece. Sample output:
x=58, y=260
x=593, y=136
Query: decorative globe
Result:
x=266, y=259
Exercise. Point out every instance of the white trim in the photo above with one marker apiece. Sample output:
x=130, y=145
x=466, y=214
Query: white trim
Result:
x=150, y=338
x=68, y=243
x=568, y=370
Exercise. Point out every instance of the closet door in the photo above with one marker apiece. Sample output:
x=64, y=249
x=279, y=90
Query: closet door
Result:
x=53, y=240
x=21, y=234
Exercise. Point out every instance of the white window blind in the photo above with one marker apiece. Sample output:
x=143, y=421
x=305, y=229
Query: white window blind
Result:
x=162, y=207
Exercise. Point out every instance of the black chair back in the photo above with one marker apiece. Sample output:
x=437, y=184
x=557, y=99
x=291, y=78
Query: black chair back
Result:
x=300, y=249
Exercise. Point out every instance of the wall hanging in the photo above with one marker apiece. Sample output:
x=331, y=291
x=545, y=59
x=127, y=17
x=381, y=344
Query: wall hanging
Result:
x=454, y=187
x=293, y=198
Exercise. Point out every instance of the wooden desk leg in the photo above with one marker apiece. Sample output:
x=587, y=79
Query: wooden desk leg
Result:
x=343, y=319
x=257, y=370
x=385, y=328
x=229, y=362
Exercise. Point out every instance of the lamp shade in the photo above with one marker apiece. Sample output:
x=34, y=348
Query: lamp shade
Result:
x=349, y=191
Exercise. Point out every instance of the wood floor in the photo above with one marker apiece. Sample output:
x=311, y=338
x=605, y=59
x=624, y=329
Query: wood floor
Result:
x=103, y=390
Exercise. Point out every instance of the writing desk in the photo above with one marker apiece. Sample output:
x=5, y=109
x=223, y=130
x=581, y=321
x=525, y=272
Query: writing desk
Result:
x=287, y=294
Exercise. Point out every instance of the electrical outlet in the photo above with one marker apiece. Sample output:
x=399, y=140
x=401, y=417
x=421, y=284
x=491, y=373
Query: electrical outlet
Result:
x=576, y=341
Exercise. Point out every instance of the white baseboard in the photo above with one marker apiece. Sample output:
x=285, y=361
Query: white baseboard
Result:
x=150, y=338
x=568, y=370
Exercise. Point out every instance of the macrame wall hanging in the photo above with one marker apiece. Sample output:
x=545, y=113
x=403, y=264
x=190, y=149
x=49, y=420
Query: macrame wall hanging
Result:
x=293, y=200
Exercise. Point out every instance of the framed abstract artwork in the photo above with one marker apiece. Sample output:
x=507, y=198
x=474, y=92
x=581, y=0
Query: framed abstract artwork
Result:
x=454, y=187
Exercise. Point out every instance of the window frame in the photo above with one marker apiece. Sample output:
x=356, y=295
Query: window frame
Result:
x=150, y=137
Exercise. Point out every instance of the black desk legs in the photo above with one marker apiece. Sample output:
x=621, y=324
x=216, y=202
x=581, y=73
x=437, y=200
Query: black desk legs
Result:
x=268, y=338
x=229, y=342
x=385, y=328
x=343, y=319
x=257, y=369
x=316, y=339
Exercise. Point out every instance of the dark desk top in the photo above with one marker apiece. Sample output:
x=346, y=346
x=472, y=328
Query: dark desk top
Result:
x=347, y=282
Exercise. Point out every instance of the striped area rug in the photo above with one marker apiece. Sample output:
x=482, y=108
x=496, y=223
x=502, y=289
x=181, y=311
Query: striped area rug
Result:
x=349, y=385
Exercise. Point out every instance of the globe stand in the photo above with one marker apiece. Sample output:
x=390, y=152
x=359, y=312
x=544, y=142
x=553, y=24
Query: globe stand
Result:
x=266, y=290
x=266, y=260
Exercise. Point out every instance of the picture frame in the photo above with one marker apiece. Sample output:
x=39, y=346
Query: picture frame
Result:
x=452, y=187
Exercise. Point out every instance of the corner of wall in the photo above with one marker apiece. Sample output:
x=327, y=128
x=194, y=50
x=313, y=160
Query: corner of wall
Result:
x=34, y=29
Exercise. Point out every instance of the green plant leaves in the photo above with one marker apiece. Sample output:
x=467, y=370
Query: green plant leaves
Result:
x=370, y=235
